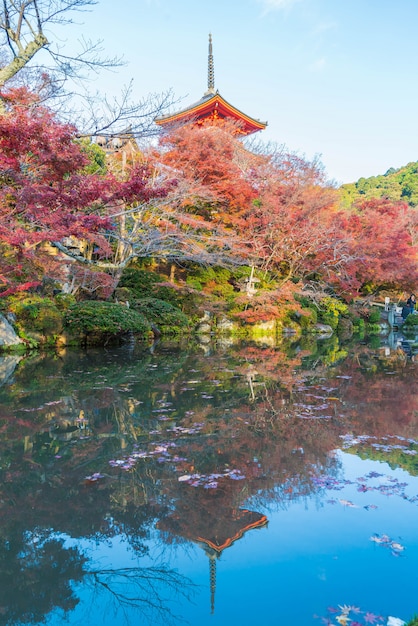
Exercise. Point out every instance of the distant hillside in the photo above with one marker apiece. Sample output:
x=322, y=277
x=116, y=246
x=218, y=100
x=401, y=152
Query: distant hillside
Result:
x=401, y=184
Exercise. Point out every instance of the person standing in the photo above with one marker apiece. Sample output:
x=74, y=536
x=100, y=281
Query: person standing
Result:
x=411, y=303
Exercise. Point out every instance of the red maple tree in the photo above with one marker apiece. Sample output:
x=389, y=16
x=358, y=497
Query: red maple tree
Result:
x=47, y=194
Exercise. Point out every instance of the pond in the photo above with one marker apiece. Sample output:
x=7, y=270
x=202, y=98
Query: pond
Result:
x=206, y=484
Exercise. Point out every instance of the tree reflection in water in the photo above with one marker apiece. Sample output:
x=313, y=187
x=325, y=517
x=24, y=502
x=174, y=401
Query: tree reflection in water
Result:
x=39, y=574
x=93, y=445
x=36, y=576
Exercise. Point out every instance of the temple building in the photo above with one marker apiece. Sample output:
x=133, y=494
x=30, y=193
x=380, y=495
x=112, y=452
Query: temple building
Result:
x=211, y=107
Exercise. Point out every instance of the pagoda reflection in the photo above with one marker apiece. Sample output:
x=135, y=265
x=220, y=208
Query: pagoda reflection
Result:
x=208, y=519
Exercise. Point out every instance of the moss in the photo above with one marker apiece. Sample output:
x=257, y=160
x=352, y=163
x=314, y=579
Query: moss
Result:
x=36, y=317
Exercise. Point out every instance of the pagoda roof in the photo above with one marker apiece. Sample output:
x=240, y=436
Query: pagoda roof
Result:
x=212, y=106
x=216, y=529
x=245, y=520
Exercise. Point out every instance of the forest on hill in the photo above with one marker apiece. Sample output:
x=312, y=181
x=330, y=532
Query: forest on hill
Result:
x=396, y=184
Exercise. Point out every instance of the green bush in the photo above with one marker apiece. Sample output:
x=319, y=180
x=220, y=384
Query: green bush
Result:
x=164, y=315
x=411, y=321
x=374, y=341
x=306, y=318
x=304, y=301
x=145, y=284
x=64, y=300
x=374, y=315
x=330, y=311
x=309, y=318
x=36, y=314
x=359, y=324
x=373, y=329
x=213, y=280
x=220, y=281
x=103, y=320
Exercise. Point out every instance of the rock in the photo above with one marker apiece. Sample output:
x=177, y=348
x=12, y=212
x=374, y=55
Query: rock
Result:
x=268, y=327
x=205, y=324
x=225, y=325
x=324, y=330
x=8, y=335
x=7, y=366
x=204, y=329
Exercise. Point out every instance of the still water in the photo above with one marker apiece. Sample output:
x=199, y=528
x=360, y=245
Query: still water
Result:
x=209, y=485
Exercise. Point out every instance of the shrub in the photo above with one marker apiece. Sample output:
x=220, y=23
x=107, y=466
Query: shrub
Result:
x=37, y=314
x=359, y=324
x=213, y=280
x=373, y=329
x=164, y=315
x=221, y=282
x=308, y=318
x=411, y=321
x=330, y=311
x=146, y=284
x=374, y=315
x=64, y=300
x=97, y=322
x=374, y=341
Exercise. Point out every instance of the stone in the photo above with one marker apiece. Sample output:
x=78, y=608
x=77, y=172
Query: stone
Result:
x=8, y=364
x=225, y=325
x=8, y=336
x=324, y=330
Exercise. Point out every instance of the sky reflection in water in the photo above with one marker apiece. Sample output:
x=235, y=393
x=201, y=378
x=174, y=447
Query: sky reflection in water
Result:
x=229, y=488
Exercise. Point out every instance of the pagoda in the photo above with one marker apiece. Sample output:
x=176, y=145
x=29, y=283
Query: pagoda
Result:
x=212, y=107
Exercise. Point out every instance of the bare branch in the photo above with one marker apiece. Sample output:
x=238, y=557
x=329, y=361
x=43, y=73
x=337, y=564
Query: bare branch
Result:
x=22, y=23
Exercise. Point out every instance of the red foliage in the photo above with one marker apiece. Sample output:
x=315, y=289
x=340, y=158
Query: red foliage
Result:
x=211, y=160
x=379, y=244
x=46, y=193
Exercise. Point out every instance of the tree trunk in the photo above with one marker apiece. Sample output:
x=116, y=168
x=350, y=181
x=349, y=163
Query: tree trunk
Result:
x=22, y=59
x=172, y=272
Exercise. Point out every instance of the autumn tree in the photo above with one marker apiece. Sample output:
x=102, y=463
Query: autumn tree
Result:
x=284, y=217
x=48, y=197
x=188, y=224
x=52, y=198
x=289, y=222
x=299, y=232
x=213, y=168
x=380, y=244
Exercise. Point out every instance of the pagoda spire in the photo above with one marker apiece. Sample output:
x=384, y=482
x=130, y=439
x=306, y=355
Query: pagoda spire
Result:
x=212, y=107
x=212, y=580
x=211, y=71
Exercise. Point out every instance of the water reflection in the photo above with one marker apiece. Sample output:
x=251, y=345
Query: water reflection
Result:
x=108, y=446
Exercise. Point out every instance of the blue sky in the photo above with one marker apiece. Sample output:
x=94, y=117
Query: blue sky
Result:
x=334, y=78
